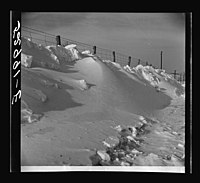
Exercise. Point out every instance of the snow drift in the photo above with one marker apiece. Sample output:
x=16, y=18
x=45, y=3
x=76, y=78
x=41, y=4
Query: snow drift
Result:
x=157, y=78
x=82, y=79
x=72, y=101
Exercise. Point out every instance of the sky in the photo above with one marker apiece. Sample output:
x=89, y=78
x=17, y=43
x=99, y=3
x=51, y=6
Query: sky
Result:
x=140, y=35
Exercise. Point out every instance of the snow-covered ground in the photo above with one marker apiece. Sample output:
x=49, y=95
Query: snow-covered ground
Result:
x=72, y=102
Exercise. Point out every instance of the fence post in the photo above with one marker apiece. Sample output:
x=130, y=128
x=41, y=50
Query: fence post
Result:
x=94, y=50
x=146, y=63
x=129, y=60
x=113, y=56
x=58, y=40
x=174, y=74
x=161, y=64
x=138, y=61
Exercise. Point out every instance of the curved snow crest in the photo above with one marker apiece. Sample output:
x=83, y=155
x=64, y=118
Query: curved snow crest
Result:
x=142, y=73
x=72, y=48
x=147, y=74
x=87, y=52
x=53, y=56
x=67, y=51
x=157, y=78
x=156, y=73
x=113, y=64
x=60, y=54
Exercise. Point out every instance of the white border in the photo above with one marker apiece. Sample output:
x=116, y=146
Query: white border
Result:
x=170, y=169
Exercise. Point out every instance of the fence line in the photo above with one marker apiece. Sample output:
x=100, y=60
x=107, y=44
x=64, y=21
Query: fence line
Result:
x=179, y=76
x=46, y=39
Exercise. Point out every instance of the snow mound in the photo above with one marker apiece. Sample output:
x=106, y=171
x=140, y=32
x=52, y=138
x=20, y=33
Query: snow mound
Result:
x=147, y=74
x=87, y=52
x=133, y=90
x=73, y=50
x=68, y=53
x=157, y=78
x=70, y=46
x=53, y=56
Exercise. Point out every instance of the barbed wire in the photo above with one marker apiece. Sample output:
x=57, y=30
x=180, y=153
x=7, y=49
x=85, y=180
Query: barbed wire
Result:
x=43, y=38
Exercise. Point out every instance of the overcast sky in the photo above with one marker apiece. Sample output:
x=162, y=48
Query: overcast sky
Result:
x=141, y=35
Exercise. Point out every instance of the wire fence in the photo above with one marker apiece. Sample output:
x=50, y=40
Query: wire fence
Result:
x=179, y=76
x=38, y=37
x=46, y=39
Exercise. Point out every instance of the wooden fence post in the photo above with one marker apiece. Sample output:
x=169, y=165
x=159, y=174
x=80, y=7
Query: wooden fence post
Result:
x=94, y=50
x=174, y=74
x=129, y=60
x=138, y=61
x=161, y=64
x=146, y=63
x=58, y=40
x=114, y=56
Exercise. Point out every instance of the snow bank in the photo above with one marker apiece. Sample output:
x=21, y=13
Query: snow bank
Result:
x=157, y=78
x=51, y=56
x=122, y=88
x=63, y=54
